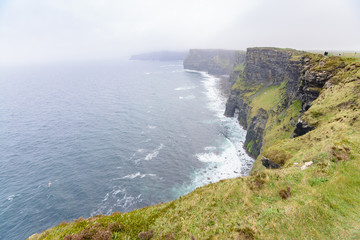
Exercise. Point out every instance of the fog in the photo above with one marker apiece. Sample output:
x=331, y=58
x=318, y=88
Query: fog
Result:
x=66, y=30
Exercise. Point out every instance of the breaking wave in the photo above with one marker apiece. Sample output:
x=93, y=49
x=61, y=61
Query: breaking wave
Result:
x=229, y=159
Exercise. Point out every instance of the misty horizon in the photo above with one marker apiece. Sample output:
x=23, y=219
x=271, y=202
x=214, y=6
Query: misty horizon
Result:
x=63, y=31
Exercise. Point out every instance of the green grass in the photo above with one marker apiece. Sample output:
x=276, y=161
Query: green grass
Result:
x=266, y=99
x=239, y=67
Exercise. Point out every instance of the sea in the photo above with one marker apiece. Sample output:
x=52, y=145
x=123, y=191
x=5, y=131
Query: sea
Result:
x=82, y=139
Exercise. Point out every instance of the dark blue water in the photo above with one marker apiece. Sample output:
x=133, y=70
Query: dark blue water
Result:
x=94, y=138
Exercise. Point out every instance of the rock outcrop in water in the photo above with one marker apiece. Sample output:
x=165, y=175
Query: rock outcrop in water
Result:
x=213, y=61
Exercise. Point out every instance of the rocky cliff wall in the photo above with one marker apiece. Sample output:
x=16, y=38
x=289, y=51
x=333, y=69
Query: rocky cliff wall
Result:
x=264, y=68
x=266, y=65
x=274, y=90
x=213, y=61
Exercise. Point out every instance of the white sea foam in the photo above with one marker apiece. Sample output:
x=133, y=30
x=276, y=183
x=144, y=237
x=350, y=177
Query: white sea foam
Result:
x=11, y=197
x=189, y=97
x=229, y=160
x=210, y=148
x=117, y=200
x=184, y=88
x=138, y=174
x=154, y=153
x=194, y=71
x=171, y=65
x=151, y=127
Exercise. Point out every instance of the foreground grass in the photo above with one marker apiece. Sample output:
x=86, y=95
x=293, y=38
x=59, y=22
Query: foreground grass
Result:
x=324, y=204
x=324, y=199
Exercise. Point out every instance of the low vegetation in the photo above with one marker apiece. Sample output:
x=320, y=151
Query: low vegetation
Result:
x=320, y=201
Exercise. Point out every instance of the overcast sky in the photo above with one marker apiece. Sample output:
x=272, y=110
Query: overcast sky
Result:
x=62, y=30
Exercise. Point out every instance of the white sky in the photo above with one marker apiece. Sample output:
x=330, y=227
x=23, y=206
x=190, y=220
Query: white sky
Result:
x=66, y=30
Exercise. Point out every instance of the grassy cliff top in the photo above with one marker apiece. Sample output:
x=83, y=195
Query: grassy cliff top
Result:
x=321, y=201
x=289, y=50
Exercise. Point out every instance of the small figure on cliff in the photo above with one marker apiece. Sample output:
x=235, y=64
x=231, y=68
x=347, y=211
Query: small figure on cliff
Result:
x=326, y=53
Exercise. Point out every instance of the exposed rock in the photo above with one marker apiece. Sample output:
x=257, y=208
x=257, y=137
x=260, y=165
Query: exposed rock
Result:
x=292, y=75
x=313, y=78
x=255, y=132
x=303, y=76
x=269, y=164
x=306, y=165
x=285, y=194
x=301, y=128
x=146, y=235
x=268, y=65
x=264, y=67
x=236, y=106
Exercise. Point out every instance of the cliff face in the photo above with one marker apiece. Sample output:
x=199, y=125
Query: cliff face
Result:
x=213, y=61
x=267, y=71
x=266, y=66
x=274, y=90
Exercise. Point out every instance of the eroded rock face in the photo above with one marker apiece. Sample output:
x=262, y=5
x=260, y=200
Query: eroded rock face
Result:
x=263, y=67
x=255, y=133
x=301, y=128
x=303, y=76
x=236, y=106
x=266, y=65
x=269, y=164
x=314, y=76
x=292, y=75
x=311, y=85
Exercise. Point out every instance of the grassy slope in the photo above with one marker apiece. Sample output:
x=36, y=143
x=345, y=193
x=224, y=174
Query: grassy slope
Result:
x=324, y=201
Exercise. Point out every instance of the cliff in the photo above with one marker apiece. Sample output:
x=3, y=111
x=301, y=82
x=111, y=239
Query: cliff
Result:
x=267, y=83
x=278, y=82
x=213, y=61
x=302, y=115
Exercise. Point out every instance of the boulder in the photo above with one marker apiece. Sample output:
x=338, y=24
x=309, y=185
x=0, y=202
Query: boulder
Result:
x=269, y=164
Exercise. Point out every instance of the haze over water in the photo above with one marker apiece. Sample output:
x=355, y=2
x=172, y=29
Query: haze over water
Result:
x=94, y=138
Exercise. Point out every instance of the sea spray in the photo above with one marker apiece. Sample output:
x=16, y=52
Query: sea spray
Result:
x=228, y=159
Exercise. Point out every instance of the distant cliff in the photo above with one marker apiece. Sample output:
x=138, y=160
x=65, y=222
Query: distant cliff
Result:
x=160, y=56
x=213, y=61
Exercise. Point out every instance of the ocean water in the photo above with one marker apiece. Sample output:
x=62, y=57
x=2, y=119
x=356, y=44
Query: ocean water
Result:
x=94, y=138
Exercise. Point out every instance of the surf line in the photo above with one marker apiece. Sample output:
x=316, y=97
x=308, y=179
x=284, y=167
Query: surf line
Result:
x=225, y=160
